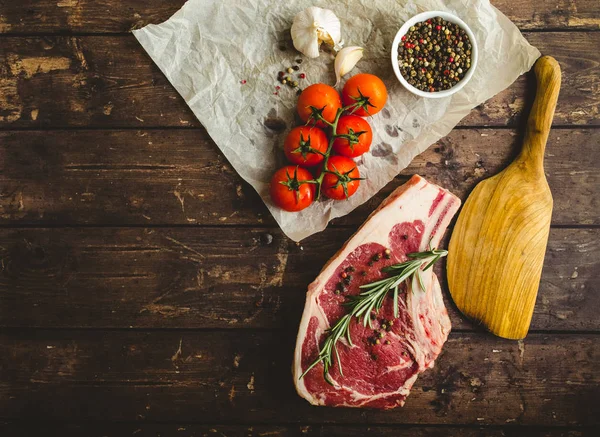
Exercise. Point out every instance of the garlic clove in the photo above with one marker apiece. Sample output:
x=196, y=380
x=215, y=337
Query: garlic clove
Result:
x=346, y=60
x=313, y=26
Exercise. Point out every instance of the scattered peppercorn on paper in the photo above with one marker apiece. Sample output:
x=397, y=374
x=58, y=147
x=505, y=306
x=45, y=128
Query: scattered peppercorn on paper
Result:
x=223, y=57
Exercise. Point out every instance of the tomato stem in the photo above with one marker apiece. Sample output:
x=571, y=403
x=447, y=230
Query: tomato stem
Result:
x=304, y=147
x=316, y=115
x=334, y=135
x=361, y=102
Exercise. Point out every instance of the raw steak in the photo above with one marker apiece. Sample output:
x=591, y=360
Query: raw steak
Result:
x=384, y=362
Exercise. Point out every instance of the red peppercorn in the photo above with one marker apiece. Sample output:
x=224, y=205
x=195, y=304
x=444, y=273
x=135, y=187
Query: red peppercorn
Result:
x=431, y=89
x=243, y=81
x=446, y=72
x=438, y=27
x=421, y=41
x=302, y=75
x=450, y=59
x=403, y=38
x=423, y=70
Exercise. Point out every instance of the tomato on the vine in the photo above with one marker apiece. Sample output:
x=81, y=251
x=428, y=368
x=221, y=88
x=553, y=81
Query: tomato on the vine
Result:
x=290, y=190
x=356, y=136
x=305, y=145
x=319, y=100
x=341, y=179
x=366, y=90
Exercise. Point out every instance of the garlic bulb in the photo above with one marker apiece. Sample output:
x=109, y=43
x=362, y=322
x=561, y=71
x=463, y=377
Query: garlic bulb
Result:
x=313, y=26
x=345, y=61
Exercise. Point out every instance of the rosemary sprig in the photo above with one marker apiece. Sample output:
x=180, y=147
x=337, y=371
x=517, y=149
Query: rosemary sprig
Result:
x=371, y=299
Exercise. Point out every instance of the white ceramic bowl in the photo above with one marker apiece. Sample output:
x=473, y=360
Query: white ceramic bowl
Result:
x=426, y=16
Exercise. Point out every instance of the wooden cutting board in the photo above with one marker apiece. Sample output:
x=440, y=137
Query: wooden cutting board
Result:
x=497, y=247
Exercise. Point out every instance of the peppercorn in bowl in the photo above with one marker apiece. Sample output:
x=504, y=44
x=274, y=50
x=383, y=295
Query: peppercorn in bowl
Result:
x=434, y=54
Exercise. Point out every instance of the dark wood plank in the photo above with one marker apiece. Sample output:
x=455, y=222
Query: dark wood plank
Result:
x=140, y=429
x=225, y=278
x=106, y=16
x=94, y=81
x=244, y=377
x=170, y=177
x=551, y=14
x=85, y=16
x=111, y=82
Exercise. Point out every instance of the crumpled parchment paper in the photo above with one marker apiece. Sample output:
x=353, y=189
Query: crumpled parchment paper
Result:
x=210, y=47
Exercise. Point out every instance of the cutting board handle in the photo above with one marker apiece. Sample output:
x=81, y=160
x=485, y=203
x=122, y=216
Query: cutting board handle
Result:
x=548, y=77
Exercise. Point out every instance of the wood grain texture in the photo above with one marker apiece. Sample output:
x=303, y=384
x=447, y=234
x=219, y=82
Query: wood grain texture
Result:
x=496, y=253
x=230, y=278
x=103, y=429
x=105, y=81
x=158, y=177
x=178, y=330
x=108, y=16
x=244, y=377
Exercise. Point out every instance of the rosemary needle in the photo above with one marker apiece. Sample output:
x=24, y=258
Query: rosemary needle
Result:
x=371, y=299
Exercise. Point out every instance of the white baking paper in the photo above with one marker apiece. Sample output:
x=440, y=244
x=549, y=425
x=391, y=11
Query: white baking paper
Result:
x=223, y=57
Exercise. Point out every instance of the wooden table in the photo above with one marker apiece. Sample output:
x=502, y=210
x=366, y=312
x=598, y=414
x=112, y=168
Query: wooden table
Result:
x=145, y=289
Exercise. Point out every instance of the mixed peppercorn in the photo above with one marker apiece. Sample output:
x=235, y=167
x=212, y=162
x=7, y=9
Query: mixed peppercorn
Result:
x=286, y=77
x=385, y=326
x=346, y=274
x=434, y=55
x=346, y=277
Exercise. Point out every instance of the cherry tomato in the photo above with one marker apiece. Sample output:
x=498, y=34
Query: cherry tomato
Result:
x=357, y=136
x=367, y=90
x=342, y=178
x=305, y=145
x=289, y=191
x=319, y=99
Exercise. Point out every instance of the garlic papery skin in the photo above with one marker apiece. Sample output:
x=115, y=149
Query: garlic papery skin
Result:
x=313, y=26
x=346, y=60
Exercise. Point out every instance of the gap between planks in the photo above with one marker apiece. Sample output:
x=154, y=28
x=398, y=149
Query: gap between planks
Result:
x=216, y=226
x=30, y=329
x=519, y=128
